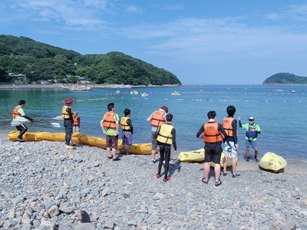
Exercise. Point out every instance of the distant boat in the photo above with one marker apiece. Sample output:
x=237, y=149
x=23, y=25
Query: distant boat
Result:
x=175, y=93
x=293, y=91
x=117, y=92
x=134, y=92
x=144, y=94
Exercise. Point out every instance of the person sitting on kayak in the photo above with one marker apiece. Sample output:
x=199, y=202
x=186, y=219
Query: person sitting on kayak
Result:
x=19, y=112
x=252, y=131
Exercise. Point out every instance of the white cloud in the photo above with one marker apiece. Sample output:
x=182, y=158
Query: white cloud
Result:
x=225, y=38
x=71, y=13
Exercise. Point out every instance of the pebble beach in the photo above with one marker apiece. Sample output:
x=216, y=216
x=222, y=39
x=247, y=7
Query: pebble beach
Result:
x=45, y=186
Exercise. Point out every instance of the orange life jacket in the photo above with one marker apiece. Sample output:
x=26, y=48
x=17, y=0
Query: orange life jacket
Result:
x=76, y=120
x=157, y=118
x=109, y=121
x=227, y=125
x=15, y=113
x=211, y=133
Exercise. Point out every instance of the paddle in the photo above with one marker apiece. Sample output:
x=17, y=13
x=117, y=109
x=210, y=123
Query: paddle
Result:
x=58, y=118
x=54, y=124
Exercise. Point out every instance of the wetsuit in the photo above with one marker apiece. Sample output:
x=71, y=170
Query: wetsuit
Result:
x=165, y=150
x=68, y=123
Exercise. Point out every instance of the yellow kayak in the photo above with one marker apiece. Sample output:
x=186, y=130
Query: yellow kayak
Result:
x=47, y=136
x=273, y=162
x=26, y=137
x=144, y=148
x=198, y=155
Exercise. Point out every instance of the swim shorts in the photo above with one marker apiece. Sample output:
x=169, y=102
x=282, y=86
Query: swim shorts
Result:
x=230, y=150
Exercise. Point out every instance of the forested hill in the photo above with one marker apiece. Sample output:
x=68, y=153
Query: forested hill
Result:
x=38, y=61
x=285, y=78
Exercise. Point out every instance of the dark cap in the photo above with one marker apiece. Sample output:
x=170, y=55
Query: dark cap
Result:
x=165, y=108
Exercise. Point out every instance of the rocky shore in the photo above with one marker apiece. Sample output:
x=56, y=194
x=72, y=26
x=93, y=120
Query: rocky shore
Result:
x=45, y=186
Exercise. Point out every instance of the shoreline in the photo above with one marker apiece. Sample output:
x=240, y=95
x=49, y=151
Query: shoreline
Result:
x=296, y=166
x=67, y=86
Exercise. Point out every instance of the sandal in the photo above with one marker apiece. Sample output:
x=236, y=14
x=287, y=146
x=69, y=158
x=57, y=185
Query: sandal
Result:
x=152, y=161
x=218, y=183
x=110, y=156
x=233, y=176
x=224, y=174
x=204, y=181
x=167, y=179
x=158, y=175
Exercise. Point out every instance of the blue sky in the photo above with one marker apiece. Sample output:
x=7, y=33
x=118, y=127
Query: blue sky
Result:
x=200, y=41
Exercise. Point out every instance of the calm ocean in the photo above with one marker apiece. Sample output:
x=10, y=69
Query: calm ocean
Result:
x=279, y=110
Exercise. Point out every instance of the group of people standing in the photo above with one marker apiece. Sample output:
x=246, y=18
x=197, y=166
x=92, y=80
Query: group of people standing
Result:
x=163, y=136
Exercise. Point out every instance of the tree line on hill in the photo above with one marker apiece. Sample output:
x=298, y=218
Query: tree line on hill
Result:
x=38, y=61
x=285, y=79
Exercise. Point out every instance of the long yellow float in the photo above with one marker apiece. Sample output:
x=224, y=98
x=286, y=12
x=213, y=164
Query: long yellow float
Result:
x=144, y=148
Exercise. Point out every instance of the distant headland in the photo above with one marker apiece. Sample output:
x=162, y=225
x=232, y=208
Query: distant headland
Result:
x=285, y=79
x=25, y=61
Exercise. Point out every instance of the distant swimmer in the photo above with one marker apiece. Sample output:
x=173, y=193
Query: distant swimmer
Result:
x=109, y=125
x=67, y=115
x=252, y=132
x=156, y=119
x=166, y=137
x=213, y=135
x=17, y=114
x=127, y=131
x=231, y=140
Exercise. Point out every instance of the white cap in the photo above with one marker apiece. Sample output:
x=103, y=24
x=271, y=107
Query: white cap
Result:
x=251, y=118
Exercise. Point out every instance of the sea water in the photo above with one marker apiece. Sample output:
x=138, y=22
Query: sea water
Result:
x=279, y=110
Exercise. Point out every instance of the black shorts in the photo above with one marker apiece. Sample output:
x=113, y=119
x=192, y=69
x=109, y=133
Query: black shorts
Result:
x=213, y=152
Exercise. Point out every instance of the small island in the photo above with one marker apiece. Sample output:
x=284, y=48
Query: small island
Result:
x=285, y=79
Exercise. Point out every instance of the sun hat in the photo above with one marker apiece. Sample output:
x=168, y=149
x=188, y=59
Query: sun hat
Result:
x=68, y=101
x=251, y=118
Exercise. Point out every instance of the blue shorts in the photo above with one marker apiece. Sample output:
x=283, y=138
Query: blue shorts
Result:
x=127, y=138
x=230, y=150
x=252, y=144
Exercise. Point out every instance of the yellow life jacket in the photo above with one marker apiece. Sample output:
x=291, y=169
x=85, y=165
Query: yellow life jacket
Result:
x=211, y=133
x=65, y=114
x=124, y=124
x=15, y=112
x=165, y=134
x=109, y=121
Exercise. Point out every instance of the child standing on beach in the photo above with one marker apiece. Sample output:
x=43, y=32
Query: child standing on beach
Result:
x=166, y=138
x=109, y=125
x=76, y=119
x=127, y=131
